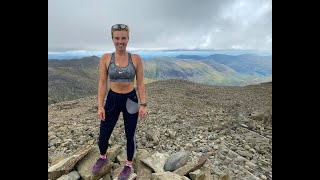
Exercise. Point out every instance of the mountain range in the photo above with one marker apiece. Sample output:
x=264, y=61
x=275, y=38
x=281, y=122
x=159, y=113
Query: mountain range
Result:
x=76, y=78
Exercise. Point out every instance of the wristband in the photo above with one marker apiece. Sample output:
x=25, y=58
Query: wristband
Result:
x=143, y=104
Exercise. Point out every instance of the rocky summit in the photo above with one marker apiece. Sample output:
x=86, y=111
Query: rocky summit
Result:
x=192, y=131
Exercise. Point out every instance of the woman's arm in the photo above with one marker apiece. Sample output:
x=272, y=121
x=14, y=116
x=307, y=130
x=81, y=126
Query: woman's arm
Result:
x=140, y=86
x=139, y=78
x=102, y=87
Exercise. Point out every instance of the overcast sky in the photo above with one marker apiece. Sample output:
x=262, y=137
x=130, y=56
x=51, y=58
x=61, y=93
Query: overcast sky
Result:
x=161, y=24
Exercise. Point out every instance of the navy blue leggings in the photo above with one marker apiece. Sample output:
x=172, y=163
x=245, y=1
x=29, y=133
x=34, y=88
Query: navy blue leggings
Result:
x=128, y=105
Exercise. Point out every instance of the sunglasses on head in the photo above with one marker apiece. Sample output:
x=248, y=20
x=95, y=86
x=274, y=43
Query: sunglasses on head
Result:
x=119, y=26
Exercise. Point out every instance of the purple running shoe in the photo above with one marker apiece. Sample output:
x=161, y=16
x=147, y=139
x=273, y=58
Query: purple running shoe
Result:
x=125, y=173
x=99, y=164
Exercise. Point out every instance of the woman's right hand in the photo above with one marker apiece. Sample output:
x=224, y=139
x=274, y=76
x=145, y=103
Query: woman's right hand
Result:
x=101, y=113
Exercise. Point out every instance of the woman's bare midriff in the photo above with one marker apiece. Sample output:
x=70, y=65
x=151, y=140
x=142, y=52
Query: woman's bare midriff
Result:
x=122, y=87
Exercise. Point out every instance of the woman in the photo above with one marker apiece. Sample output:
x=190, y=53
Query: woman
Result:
x=121, y=67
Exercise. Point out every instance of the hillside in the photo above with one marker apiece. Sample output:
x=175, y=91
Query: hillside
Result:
x=247, y=64
x=72, y=79
x=232, y=124
x=200, y=71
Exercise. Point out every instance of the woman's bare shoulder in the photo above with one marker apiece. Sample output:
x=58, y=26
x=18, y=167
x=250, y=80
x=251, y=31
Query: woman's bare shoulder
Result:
x=136, y=57
x=106, y=56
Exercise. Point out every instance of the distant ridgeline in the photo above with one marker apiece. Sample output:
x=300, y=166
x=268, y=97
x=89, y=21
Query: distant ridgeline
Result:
x=76, y=78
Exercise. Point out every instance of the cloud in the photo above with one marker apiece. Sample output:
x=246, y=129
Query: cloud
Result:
x=188, y=24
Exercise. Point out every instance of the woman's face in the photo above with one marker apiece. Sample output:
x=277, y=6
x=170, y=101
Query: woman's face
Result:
x=120, y=40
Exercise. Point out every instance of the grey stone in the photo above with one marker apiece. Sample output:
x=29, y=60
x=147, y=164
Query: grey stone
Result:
x=165, y=176
x=73, y=175
x=176, y=161
x=156, y=161
x=67, y=164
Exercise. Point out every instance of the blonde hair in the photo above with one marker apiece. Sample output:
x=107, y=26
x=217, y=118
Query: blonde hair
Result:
x=120, y=29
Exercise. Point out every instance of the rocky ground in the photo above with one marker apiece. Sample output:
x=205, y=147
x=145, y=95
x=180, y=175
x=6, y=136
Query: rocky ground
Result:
x=233, y=125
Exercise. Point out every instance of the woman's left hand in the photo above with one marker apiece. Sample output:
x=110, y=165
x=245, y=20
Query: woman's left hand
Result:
x=142, y=112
